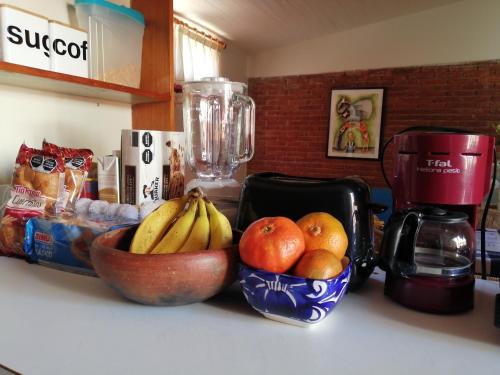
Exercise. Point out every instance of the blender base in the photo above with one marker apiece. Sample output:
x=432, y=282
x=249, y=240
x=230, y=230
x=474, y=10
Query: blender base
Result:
x=439, y=295
x=224, y=193
x=213, y=185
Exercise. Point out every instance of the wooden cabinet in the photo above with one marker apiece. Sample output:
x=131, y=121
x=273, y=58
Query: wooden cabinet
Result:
x=152, y=107
x=157, y=65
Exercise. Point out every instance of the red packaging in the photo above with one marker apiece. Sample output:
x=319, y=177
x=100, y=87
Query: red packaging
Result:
x=37, y=188
x=90, y=189
x=77, y=163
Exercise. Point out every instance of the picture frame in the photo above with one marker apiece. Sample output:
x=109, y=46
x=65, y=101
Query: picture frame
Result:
x=355, y=124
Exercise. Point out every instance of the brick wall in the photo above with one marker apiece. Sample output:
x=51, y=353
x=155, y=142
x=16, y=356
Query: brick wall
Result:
x=292, y=113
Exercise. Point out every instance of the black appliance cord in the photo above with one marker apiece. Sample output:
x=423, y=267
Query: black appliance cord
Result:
x=490, y=194
x=485, y=214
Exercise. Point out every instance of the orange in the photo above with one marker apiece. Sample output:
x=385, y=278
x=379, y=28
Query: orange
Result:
x=345, y=262
x=323, y=231
x=272, y=244
x=318, y=264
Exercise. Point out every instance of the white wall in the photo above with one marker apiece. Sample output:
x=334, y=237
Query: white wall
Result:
x=30, y=116
x=462, y=32
x=233, y=64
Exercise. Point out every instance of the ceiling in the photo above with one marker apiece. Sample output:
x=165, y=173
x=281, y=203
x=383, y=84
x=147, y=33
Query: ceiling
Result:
x=257, y=25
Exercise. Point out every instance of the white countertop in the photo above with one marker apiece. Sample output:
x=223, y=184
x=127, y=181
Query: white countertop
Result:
x=52, y=322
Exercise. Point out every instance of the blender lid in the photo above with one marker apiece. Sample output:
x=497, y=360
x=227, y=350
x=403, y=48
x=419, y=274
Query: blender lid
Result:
x=214, y=81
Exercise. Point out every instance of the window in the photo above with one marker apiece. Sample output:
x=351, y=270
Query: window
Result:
x=196, y=54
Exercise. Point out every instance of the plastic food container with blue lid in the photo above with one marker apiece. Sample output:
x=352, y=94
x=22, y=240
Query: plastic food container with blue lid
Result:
x=115, y=40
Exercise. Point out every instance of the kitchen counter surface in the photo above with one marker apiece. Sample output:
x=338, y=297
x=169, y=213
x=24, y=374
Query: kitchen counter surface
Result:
x=52, y=322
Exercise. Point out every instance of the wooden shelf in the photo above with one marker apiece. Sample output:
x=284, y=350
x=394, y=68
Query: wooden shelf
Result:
x=38, y=79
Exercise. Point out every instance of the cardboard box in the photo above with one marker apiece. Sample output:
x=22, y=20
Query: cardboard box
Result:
x=24, y=38
x=173, y=182
x=142, y=166
x=152, y=165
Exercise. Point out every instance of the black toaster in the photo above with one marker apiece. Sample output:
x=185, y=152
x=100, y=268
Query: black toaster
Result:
x=348, y=199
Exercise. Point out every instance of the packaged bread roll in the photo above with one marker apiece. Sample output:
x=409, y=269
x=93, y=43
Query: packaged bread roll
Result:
x=37, y=188
x=77, y=163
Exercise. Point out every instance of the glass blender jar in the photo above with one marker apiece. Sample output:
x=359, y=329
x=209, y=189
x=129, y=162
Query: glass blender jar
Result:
x=219, y=123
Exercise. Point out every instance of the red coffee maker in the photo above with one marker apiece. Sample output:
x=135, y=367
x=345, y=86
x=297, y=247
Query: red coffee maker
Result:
x=428, y=251
x=449, y=170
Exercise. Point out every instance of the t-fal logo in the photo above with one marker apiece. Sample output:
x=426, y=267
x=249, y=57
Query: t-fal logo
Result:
x=438, y=163
x=438, y=166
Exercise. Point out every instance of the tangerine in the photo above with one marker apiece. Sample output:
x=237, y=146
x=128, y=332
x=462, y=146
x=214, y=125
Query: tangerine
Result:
x=318, y=264
x=272, y=244
x=345, y=262
x=324, y=231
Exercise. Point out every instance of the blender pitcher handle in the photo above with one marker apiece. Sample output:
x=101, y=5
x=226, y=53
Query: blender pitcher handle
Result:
x=246, y=126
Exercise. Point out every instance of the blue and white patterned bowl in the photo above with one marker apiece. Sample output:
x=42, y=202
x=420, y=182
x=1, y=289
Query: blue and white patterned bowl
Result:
x=292, y=299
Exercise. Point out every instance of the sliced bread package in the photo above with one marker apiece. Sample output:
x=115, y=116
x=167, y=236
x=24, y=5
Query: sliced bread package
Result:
x=64, y=242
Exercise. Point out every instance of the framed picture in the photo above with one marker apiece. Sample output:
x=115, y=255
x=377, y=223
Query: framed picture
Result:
x=355, y=123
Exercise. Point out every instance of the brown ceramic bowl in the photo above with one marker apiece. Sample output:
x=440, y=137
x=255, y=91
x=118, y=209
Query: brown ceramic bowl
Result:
x=161, y=279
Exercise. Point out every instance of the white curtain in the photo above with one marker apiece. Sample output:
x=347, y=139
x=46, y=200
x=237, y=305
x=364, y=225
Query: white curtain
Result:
x=195, y=57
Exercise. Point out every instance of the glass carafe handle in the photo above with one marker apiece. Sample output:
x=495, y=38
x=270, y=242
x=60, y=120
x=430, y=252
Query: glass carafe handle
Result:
x=246, y=126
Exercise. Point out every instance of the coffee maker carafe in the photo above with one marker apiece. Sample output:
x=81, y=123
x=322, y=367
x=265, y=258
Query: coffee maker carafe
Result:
x=219, y=123
x=428, y=255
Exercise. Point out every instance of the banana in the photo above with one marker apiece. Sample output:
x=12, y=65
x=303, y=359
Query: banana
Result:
x=179, y=231
x=221, y=234
x=200, y=234
x=154, y=226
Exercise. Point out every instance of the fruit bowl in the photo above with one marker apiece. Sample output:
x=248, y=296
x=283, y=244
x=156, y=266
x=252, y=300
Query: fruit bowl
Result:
x=291, y=299
x=161, y=279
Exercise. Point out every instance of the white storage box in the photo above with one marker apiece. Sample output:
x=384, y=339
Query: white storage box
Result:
x=115, y=40
x=24, y=38
x=69, y=50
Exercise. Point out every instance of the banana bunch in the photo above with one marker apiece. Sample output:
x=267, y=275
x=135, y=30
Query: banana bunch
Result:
x=180, y=225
